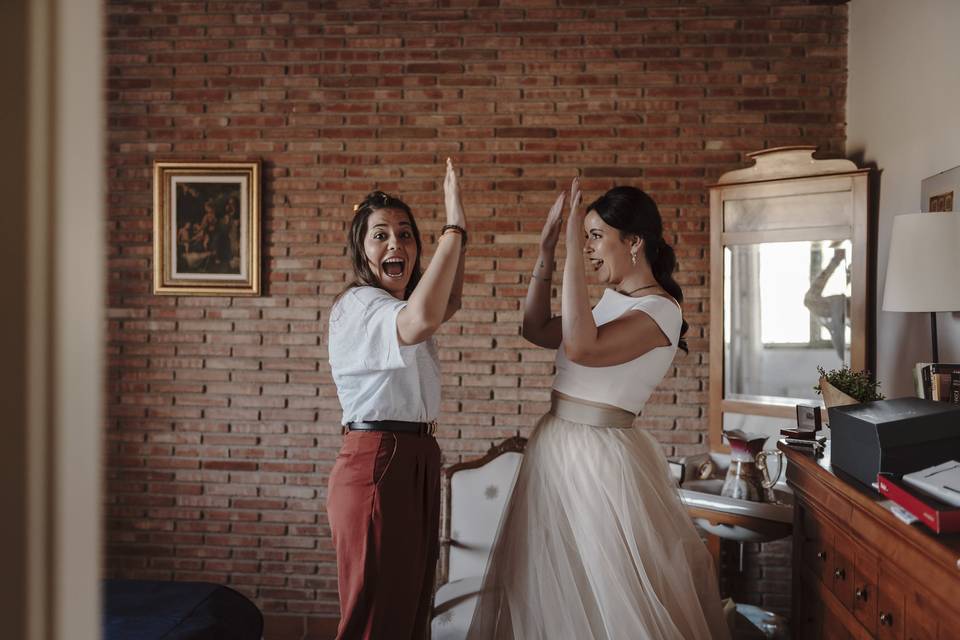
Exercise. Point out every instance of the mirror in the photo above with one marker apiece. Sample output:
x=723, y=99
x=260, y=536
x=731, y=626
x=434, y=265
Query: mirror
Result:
x=789, y=302
x=789, y=260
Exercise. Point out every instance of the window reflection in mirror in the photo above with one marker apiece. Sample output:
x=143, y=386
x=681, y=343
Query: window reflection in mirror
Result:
x=786, y=311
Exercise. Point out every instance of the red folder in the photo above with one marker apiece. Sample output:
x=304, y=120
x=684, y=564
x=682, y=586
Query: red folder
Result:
x=940, y=517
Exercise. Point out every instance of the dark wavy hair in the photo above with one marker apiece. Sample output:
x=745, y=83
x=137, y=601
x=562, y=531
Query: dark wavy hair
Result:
x=633, y=212
x=363, y=276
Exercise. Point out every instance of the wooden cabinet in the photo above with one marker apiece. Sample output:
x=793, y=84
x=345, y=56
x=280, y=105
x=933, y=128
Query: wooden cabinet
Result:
x=858, y=571
x=865, y=589
x=889, y=608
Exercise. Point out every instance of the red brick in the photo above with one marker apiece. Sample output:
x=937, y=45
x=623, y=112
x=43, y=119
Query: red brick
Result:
x=226, y=405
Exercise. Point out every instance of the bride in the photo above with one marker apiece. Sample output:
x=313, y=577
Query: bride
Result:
x=595, y=543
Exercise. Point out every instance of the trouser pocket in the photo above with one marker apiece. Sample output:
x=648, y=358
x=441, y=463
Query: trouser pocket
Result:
x=386, y=451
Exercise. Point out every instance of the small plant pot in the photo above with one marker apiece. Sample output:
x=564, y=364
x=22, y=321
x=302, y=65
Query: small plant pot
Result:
x=833, y=397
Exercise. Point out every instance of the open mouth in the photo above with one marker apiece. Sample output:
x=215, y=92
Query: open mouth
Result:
x=393, y=267
x=597, y=263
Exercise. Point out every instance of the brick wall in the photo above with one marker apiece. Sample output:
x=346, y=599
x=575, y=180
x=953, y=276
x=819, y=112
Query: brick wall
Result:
x=223, y=422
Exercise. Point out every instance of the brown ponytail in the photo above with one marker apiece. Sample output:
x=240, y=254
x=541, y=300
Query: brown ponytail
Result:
x=663, y=265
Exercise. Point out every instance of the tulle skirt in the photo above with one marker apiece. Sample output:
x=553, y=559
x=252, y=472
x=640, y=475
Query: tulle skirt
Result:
x=596, y=544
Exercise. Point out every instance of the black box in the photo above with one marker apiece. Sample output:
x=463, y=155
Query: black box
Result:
x=893, y=436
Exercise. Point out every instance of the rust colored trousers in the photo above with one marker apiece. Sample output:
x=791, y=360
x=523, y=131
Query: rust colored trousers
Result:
x=384, y=510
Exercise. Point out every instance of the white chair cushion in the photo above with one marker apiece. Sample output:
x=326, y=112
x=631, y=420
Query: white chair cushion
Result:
x=478, y=498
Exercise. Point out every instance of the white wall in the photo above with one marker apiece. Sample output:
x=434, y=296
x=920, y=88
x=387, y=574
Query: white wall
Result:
x=903, y=114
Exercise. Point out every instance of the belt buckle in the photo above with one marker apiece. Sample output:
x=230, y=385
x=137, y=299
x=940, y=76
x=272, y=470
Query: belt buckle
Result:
x=431, y=428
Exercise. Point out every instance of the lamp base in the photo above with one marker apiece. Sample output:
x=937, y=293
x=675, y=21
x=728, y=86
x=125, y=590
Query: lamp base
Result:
x=933, y=334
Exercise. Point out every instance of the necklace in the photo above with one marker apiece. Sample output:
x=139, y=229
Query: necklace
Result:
x=630, y=293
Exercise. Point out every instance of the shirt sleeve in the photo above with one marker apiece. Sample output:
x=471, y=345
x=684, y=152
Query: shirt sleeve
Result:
x=665, y=312
x=363, y=332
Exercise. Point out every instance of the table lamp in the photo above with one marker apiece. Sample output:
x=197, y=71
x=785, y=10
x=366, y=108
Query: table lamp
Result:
x=923, y=267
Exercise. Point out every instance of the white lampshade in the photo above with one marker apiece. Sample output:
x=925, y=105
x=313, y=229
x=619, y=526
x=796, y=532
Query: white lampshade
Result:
x=923, y=268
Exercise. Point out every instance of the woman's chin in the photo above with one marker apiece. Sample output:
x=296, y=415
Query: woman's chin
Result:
x=394, y=286
x=599, y=277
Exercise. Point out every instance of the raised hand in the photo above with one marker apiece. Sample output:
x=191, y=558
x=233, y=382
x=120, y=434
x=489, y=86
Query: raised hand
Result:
x=551, y=228
x=451, y=197
x=575, y=218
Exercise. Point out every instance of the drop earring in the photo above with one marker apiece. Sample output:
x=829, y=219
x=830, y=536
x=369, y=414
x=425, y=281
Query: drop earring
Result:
x=633, y=259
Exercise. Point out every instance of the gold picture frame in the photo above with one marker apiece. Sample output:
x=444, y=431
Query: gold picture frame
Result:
x=206, y=228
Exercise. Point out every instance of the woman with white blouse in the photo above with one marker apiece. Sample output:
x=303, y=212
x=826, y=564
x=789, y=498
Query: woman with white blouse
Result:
x=384, y=495
x=595, y=543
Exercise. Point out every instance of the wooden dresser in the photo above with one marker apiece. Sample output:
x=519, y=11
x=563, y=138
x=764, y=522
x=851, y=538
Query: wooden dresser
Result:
x=858, y=571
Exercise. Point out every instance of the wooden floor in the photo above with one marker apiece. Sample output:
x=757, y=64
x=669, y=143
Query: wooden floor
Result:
x=326, y=629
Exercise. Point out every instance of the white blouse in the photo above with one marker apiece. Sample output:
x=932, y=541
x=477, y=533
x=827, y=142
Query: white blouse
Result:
x=629, y=384
x=377, y=378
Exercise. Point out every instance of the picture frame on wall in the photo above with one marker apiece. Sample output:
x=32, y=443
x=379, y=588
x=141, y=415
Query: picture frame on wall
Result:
x=941, y=192
x=206, y=228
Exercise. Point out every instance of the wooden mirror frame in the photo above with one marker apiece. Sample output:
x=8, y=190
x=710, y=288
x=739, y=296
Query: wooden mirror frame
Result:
x=783, y=172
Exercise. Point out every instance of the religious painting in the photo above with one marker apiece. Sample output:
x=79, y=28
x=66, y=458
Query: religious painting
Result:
x=206, y=225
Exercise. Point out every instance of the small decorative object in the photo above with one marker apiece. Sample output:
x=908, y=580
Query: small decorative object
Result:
x=940, y=192
x=844, y=386
x=748, y=477
x=206, y=228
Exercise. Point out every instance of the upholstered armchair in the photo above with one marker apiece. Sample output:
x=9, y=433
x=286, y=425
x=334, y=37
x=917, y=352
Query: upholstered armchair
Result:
x=474, y=496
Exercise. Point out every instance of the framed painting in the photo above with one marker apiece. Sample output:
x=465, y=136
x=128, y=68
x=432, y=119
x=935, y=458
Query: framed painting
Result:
x=206, y=228
x=941, y=193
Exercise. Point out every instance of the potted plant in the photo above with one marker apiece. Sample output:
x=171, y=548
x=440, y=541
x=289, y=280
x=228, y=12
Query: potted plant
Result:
x=845, y=386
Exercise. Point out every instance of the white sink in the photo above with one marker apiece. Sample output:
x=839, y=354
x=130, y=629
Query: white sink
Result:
x=739, y=520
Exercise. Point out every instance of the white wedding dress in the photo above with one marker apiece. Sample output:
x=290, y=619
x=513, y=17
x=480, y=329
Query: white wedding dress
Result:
x=595, y=543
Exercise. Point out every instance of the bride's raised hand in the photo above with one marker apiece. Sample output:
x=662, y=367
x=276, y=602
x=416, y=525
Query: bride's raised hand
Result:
x=451, y=197
x=575, y=236
x=550, y=233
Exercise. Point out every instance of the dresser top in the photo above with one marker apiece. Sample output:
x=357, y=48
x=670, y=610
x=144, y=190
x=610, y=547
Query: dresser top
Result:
x=943, y=548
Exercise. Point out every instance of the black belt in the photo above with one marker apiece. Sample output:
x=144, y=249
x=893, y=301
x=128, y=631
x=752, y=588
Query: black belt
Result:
x=395, y=426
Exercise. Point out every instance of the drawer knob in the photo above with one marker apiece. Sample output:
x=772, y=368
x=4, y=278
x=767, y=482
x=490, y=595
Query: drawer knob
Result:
x=886, y=619
x=839, y=573
x=861, y=594
x=822, y=555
